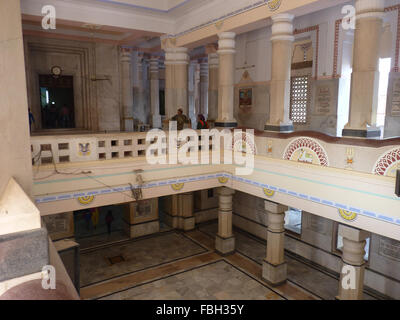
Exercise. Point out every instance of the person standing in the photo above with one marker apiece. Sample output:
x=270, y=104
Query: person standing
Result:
x=201, y=122
x=109, y=221
x=31, y=119
x=181, y=119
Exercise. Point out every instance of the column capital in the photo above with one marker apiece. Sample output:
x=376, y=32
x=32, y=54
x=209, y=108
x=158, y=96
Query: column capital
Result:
x=213, y=60
x=353, y=234
x=174, y=56
x=226, y=43
x=154, y=64
x=274, y=207
x=370, y=9
x=126, y=54
x=224, y=191
x=282, y=27
x=211, y=48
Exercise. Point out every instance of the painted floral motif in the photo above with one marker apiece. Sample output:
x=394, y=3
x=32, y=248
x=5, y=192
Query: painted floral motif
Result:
x=177, y=187
x=269, y=193
x=388, y=164
x=86, y=200
x=306, y=150
x=223, y=180
x=348, y=215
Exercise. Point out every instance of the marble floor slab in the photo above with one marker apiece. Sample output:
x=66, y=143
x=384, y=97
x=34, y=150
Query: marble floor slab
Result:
x=95, y=265
x=312, y=279
x=216, y=281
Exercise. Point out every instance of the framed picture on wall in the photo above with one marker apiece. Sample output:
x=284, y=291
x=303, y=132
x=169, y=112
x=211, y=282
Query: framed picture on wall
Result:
x=246, y=97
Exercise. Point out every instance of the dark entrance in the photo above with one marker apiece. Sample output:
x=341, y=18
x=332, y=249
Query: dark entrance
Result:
x=57, y=102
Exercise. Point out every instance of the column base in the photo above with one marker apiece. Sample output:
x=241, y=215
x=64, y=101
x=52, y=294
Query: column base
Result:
x=180, y=223
x=274, y=275
x=287, y=128
x=225, y=246
x=358, y=282
x=156, y=122
x=226, y=125
x=362, y=133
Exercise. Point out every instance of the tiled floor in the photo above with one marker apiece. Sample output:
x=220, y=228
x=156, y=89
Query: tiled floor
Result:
x=216, y=281
x=179, y=266
x=317, y=282
x=137, y=255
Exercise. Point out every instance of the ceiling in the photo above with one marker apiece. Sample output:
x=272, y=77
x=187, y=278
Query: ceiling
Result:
x=152, y=5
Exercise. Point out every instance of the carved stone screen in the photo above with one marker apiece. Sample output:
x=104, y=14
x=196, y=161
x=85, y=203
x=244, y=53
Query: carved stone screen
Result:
x=299, y=95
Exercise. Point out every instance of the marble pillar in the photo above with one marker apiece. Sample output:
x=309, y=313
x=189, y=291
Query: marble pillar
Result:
x=226, y=78
x=15, y=155
x=274, y=266
x=365, y=76
x=351, y=282
x=213, y=65
x=139, y=94
x=126, y=90
x=203, y=90
x=225, y=240
x=176, y=81
x=155, y=93
x=282, y=48
x=179, y=211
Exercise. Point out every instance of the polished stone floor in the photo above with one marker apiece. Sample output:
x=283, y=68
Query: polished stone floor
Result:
x=97, y=265
x=313, y=279
x=216, y=281
x=174, y=265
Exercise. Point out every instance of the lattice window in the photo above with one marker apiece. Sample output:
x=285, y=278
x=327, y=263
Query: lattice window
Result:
x=299, y=95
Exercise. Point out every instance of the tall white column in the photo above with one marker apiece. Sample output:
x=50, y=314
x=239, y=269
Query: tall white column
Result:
x=226, y=53
x=351, y=282
x=225, y=240
x=139, y=97
x=213, y=66
x=14, y=126
x=282, y=48
x=365, y=76
x=176, y=81
x=274, y=265
x=203, y=89
x=155, y=93
x=126, y=89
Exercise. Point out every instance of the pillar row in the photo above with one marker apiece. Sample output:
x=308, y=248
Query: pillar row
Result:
x=365, y=76
x=226, y=74
x=351, y=282
x=282, y=49
x=225, y=241
x=126, y=90
x=203, y=89
x=176, y=81
x=274, y=266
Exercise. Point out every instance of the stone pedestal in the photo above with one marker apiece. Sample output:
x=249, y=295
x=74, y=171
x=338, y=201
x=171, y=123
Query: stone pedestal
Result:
x=351, y=282
x=126, y=90
x=226, y=78
x=225, y=241
x=141, y=218
x=274, y=265
x=282, y=48
x=179, y=212
x=365, y=76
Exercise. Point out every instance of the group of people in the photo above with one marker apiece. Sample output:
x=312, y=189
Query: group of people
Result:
x=92, y=216
x=182, y=119
x=54, y=117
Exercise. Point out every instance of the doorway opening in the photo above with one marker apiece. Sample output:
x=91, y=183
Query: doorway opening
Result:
x=57, y=102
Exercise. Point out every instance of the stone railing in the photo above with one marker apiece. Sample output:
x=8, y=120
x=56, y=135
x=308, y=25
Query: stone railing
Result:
x=380, y=157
